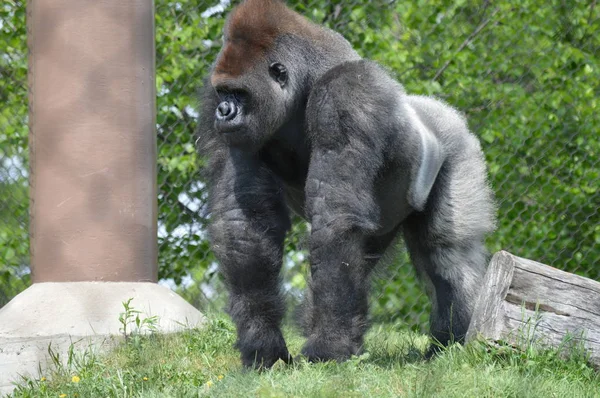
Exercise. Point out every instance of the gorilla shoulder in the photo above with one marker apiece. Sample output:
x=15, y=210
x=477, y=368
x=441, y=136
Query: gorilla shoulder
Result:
x=359, y=93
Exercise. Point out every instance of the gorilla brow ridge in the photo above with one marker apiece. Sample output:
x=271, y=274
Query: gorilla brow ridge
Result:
x=252, y=30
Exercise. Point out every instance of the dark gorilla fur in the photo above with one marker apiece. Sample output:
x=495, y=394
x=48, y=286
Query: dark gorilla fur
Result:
x=292, y=118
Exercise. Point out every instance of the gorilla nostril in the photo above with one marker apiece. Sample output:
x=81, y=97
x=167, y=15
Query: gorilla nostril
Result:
x=226, y=110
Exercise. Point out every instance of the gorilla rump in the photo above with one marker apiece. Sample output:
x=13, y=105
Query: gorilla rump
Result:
x=293, y=119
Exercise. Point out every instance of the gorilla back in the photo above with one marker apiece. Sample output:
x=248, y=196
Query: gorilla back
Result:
x=293, y=118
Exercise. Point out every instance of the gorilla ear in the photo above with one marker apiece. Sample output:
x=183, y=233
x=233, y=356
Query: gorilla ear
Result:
x=425, y=163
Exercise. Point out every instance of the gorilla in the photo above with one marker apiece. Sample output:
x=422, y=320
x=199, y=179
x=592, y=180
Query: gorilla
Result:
x=293, y=119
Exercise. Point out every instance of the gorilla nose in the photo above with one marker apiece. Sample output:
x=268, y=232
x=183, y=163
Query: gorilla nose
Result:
x=226, y=110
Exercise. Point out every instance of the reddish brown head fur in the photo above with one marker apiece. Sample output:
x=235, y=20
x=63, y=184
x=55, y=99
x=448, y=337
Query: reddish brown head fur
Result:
x=251, y=31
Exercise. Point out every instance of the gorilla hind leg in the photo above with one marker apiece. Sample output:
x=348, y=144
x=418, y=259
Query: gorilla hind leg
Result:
x=452, y=277
x=446, y=245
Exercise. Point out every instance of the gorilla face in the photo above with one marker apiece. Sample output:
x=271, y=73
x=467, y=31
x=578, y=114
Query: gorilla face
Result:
x=258, y=79
x=251, y=107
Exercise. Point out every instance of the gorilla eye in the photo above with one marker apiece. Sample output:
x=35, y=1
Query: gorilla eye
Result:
x=279, y=73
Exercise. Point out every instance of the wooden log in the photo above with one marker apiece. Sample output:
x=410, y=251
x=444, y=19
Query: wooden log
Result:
x=524, y=302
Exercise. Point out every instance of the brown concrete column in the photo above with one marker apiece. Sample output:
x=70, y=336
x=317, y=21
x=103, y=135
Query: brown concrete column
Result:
x=93, y=186
x=92, y=140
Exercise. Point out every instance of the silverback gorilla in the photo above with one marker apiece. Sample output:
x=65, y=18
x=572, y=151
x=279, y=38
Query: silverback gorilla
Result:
x=293, y=118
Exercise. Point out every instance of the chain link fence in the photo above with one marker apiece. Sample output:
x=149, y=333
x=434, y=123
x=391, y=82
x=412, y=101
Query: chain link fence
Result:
x=14, y=189
x=524, y=73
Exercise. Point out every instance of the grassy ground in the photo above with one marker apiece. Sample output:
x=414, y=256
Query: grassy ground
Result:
x=203, y=363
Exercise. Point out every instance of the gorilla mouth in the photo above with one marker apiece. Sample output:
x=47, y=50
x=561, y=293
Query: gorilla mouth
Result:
x=229, y=128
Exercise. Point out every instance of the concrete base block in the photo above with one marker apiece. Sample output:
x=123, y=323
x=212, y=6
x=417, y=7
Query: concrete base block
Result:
x=85, y=314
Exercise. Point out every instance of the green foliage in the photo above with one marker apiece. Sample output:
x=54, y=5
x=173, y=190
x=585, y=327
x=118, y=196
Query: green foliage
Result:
x=204, y=363
x=525, y=75
x=14, y=190
x=182, y=59
x=526, y=78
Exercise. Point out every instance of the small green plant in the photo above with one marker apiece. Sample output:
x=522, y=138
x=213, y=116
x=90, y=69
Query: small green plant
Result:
x=132, y=315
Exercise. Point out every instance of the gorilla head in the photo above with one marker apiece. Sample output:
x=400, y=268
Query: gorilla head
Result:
x=264, y=72
x=254, y=83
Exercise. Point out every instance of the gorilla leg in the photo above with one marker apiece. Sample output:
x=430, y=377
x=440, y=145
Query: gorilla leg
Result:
x=337, y=311
x=446, y=245
x=249, y=222
x=341, y=219
x=452, y=275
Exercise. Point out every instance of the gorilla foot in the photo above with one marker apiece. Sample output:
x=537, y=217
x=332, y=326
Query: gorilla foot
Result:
x=322, y=350
x=260, y=361
x=436, y=348
x=262, y=353
x=433, y=351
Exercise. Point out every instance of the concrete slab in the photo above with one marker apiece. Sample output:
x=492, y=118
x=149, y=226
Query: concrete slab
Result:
x=30, y=356
x=85, y=314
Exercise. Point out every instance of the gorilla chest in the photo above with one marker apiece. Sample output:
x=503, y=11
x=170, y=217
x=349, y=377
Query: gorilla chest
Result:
x=291, y=167
x=391, y=193
x=286, y=160
x=389, y=189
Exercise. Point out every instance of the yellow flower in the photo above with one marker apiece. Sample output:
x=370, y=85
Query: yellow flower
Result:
x=145, y=378
x=62, y=395
x=209, y=383
x=43, y=379
x=75, y=379
x=220, y=377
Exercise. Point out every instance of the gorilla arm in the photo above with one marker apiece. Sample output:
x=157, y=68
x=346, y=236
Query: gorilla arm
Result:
x=248, y=225
x=360, y=131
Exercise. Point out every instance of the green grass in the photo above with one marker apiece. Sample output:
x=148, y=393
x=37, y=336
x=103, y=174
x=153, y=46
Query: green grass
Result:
x=203, y=363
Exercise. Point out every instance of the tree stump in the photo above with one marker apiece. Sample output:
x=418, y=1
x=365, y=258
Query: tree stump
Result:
x=523, y=301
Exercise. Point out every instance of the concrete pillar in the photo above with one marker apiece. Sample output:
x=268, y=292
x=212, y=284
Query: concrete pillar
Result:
x=92, y=141
x=93, y=182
